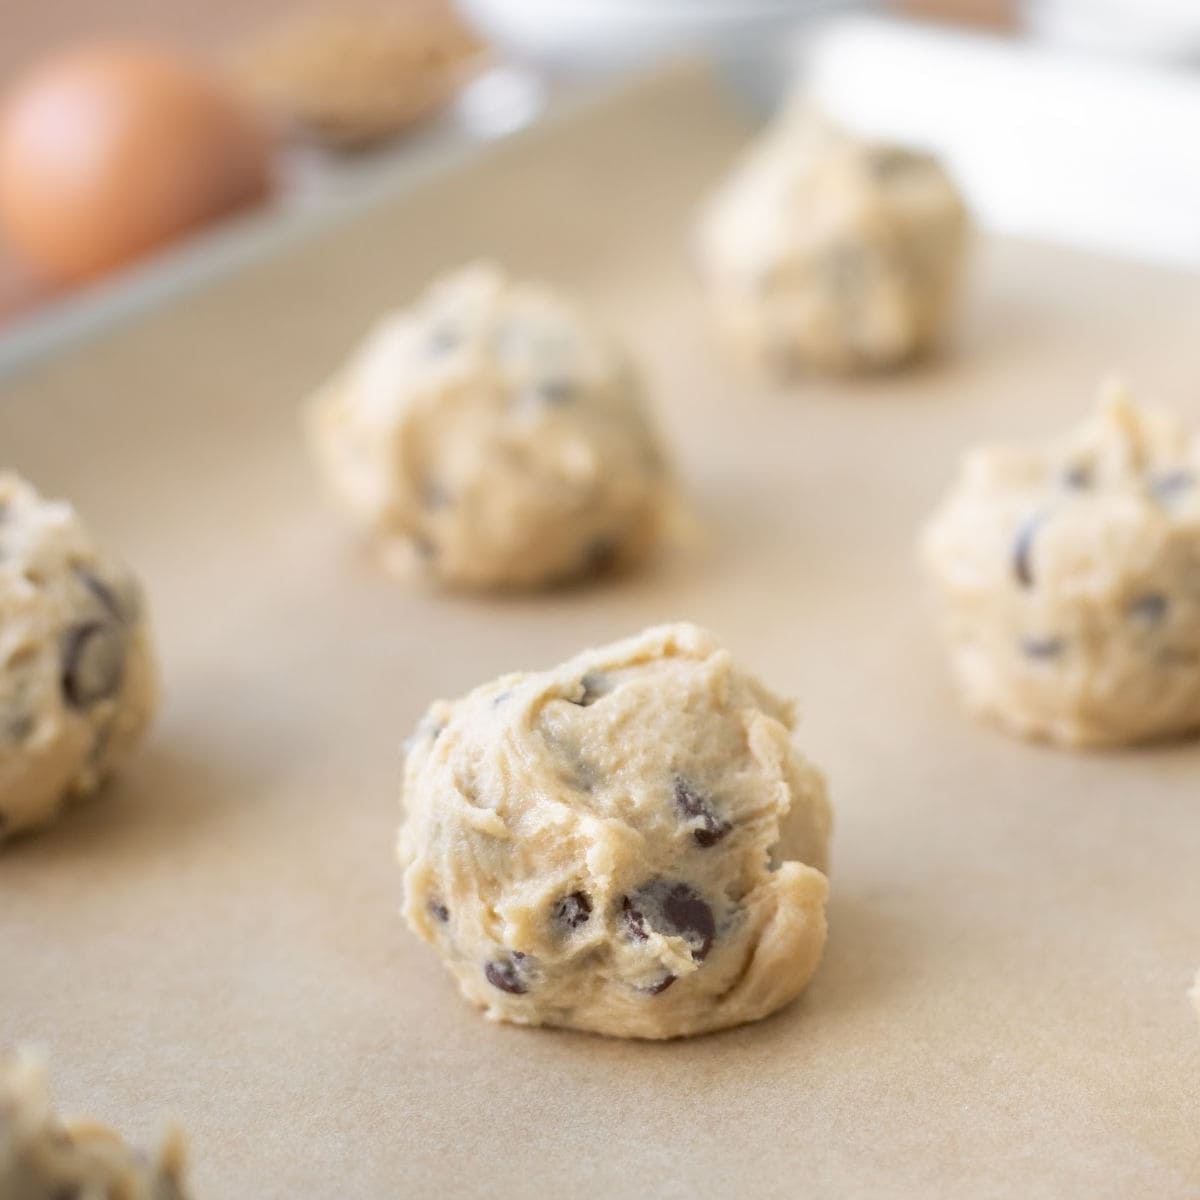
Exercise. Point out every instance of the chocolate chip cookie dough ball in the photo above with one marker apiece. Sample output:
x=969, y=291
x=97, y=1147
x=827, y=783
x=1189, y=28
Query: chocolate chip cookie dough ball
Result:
x=628, y=844
x=825, y=251
x=77, y=674
x=1069, y=580
x=496, y=433
x=43, y=1159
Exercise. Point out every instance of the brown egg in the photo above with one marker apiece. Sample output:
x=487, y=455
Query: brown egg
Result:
x=110, y=150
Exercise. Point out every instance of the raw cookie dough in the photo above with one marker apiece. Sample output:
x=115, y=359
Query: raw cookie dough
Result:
x=495, y=431
x=43, y=1159
x=822, y=250
x=628, y=844
x=77, y=677
x=1069, y=580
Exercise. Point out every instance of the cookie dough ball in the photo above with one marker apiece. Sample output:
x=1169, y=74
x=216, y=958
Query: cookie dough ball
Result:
x=495, y=431
x=825, y=251
x=78, y=684
x=628, y=844
x=1069, y=580
x=43, y=1159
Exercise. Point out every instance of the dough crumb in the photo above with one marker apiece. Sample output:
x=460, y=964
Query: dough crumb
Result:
x=42, y=1158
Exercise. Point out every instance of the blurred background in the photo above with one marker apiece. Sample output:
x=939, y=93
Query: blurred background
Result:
x=145, y=144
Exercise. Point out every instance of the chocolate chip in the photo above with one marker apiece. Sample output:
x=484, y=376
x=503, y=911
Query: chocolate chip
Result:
x=594, y=684
x=555, y=392
x=93, y=662
x=599, y=555
x=435, y=496
x=441, y=340
x=695, y=807
x=635, y=923
x=672, y=909
x=1078, y=478
x=657, y=989
x=885, y=162
x=1150, y=608
x=1042, y=647
x=438, y=911
x=424, y=548
x=1170, y=484
x=1023, y=550
x=101, y=591
x=18, y=726
x=505, y=974
x=572, y=911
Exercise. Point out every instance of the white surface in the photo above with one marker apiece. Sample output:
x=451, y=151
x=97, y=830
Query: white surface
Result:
x=1165, y=29
x=1092, y=152
x=598, y=34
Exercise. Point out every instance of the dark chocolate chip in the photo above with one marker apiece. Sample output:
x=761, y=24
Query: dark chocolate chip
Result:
x=599, y=555
x=672, y=909
x=1078, y=478
x=93, y=662
x=555, y=392
x=1170, y=484
x=1042, y=647
x=594, y=684
x=438, y=911
x=102, y=592
x=657, y=989
x=19, y=726
x=505, y=974
x=635, y=923
x=572, y=911
x=441, y=340
x=886, y=162
x=1150, y=608
x=434, y=495
x=695, y=807
x=1022, y=563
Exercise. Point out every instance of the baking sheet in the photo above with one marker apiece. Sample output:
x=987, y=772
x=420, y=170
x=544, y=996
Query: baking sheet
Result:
x=1001, y=1008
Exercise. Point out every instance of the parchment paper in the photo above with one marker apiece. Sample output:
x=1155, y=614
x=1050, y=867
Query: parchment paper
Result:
x=1001, y=1009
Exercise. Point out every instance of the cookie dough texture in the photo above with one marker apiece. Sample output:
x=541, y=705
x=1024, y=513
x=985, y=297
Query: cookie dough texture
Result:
x=78, y=684
x=1068, y=576
x=822, y=250
x=497, y=433
x=628, y=844
x=42, y=1158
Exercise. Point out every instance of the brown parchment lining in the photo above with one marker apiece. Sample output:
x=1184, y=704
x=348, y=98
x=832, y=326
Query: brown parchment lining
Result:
x=1001, y=1010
